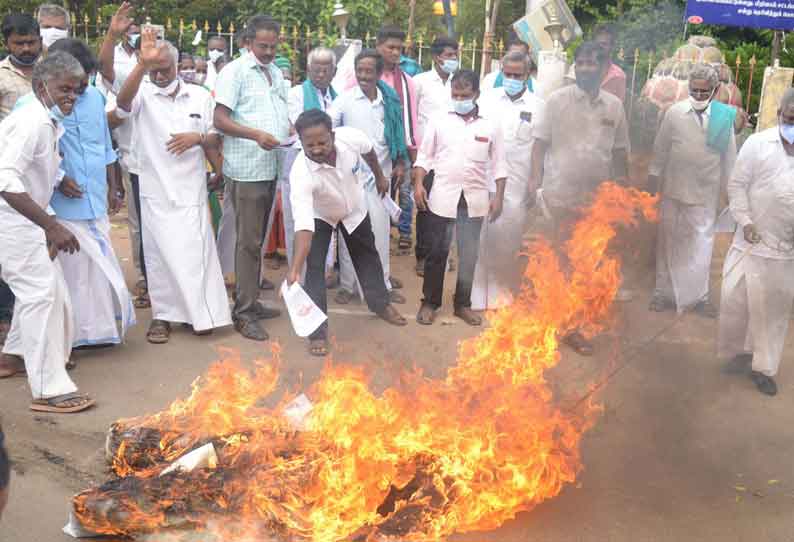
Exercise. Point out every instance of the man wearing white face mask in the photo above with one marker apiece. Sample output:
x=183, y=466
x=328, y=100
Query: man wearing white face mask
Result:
x=464, y=146
x=694, y=153
x=216, y=48
x=498, y=273
x=757, y=289
x=54, y=23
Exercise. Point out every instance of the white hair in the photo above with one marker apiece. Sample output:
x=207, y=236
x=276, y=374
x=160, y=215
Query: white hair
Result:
x=173, y=51
x=705, y=72
x=52, y=10
x=54, y=65
x=321, y=53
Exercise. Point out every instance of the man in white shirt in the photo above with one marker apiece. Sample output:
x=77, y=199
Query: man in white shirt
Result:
x=366, y=107
x=327, y=192
x=54, y=23
x=40, y=340
x=184, y=275
x=690, y=165
x=466, y=149
x=498, y=272
x=216, y=48
x=757, y=285
x=432, y=97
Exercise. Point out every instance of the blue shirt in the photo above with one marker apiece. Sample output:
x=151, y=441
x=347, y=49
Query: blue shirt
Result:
x=87, y=150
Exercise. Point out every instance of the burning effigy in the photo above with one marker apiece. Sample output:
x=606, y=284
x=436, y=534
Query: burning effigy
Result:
x=416, y=462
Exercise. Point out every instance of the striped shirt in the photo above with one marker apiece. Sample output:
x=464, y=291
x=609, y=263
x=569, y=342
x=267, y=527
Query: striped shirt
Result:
x=256, y=103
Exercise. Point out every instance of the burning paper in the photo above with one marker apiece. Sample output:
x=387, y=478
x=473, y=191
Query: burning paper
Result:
x=416, y=462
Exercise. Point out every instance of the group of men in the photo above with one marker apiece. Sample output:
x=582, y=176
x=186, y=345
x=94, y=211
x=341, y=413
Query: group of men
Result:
x=475, y=156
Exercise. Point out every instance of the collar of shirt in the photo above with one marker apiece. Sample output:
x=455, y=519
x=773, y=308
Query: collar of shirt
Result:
x=437, y=78
x=6, y=64
x=478, y=116
x=582, y=95
x=359, y=95
x=706, y=112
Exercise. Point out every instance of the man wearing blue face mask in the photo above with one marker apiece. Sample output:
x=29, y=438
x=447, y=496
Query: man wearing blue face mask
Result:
x=464, y=146
x=497, y=79
x=432, y=97
x=757, y=290
x=694, y=164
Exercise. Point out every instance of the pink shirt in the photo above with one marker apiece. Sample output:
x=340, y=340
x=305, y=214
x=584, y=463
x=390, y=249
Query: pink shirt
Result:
x=463, y=154
x=614, y=82
x=410, y=119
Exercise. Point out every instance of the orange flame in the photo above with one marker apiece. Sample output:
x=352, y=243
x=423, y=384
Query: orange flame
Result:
x=421, y=461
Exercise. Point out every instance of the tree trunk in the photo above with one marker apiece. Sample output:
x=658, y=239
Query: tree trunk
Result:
x=448, y=19
x=411, y=21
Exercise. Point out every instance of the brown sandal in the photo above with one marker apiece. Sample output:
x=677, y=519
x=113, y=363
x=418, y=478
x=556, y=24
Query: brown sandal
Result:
x=426, y=315
x=64, y=404
x=468, y=316
x=11, y=366
x=318, y=347
x=343, y=297
x=159, y=332
x=393, y=317
x=142, y=301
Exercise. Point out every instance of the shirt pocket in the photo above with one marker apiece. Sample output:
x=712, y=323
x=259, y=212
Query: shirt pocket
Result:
x=478, y=149
x=524, y=131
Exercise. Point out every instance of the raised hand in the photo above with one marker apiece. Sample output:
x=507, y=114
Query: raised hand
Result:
x=150, y=51
x=121, y=21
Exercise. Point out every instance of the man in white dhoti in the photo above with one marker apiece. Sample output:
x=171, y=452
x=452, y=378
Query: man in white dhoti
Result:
x=102, y=304
x=373, y=107
x=498, y=272
x=174, y=120
x=757, y=284
x=690, y=165
x=40, y=339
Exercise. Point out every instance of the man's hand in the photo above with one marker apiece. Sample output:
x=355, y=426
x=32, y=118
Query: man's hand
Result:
x=293, y=276
x=654, y=183
x=267, y=141
x=215, y=181
x=751, y=234
x=121, y=21
x=398, y=174
x=181, y=142
x=382, y=184
x=60, y=239
x=115, y=199
x=495, y=208
x=420, y=196
x=70, y=188
x=150, y=51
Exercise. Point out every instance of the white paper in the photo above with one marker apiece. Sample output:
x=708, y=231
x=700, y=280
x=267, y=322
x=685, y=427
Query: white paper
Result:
x=297, y=411
x=76, y=530
x=200, y=458
x=541, y=203
x=725, y=222
x=304, y=314
x=391, y=207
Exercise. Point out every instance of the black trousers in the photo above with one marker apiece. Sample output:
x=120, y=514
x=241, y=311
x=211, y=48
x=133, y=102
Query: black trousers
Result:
x=440, y=230
x=6, y=302
x=136, y=200
x=422, y=247
x=361, y=244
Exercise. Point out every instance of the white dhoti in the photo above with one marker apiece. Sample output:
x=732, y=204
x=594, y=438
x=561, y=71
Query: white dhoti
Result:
x=103, y=310
x=498, y=272
x=757, y=297
x=683, y=252
x=41, y=329
x=184, y=274
x=381, y=229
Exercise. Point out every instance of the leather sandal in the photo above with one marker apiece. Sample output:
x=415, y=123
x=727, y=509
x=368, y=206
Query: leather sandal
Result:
x=426, y=315
x=468, y=316
x=393, y=317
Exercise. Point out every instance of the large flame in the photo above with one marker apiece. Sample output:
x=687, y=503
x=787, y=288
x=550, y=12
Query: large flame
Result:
x=419, y=461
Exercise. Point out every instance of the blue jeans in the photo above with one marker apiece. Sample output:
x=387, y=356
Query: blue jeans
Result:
x=6, y=302
x=407, y=206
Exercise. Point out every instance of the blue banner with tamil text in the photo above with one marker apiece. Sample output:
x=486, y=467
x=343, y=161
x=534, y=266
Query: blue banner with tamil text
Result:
x=776, y=14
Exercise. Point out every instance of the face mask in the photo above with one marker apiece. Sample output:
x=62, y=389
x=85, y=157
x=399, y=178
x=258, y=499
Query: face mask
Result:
x=463, y=107
x=588, y=82
x=51, y=35
x=132, y=39
x=27, y=60
x=513, y=87
x=700, y=105
x=188, y=76
x=450, y=66
x=168, y=90
x=214, y=54
x=56, y=113
x=787, y=132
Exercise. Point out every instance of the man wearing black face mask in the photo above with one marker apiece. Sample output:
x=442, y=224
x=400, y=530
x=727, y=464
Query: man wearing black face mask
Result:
x=582, y=137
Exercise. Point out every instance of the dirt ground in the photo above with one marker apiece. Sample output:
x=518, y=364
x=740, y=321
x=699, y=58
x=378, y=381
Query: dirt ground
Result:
x=681, y=452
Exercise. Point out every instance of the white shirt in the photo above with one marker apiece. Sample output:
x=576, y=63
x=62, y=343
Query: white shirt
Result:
x=165, y=176
x=464, y=155
x=761, y=192
x=295, y=102
x=352, y=108
x=516, y=117
x=123, y=64
x=433, y=96
x=29, y=156
x=332, y=194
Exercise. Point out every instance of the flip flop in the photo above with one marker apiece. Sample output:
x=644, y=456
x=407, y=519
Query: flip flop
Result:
x=343, y=297
x=393, y=317
x=17, y=369
x=318, y=347
x=396, y=283
x=405, y=243
x=396, y=297
x=426, y=315
x=159, y=332
x=64, y=404
x=468, y=316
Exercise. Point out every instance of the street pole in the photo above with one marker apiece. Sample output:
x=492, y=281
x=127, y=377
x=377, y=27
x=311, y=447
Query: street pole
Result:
x=448, y=18
x=776, y=39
